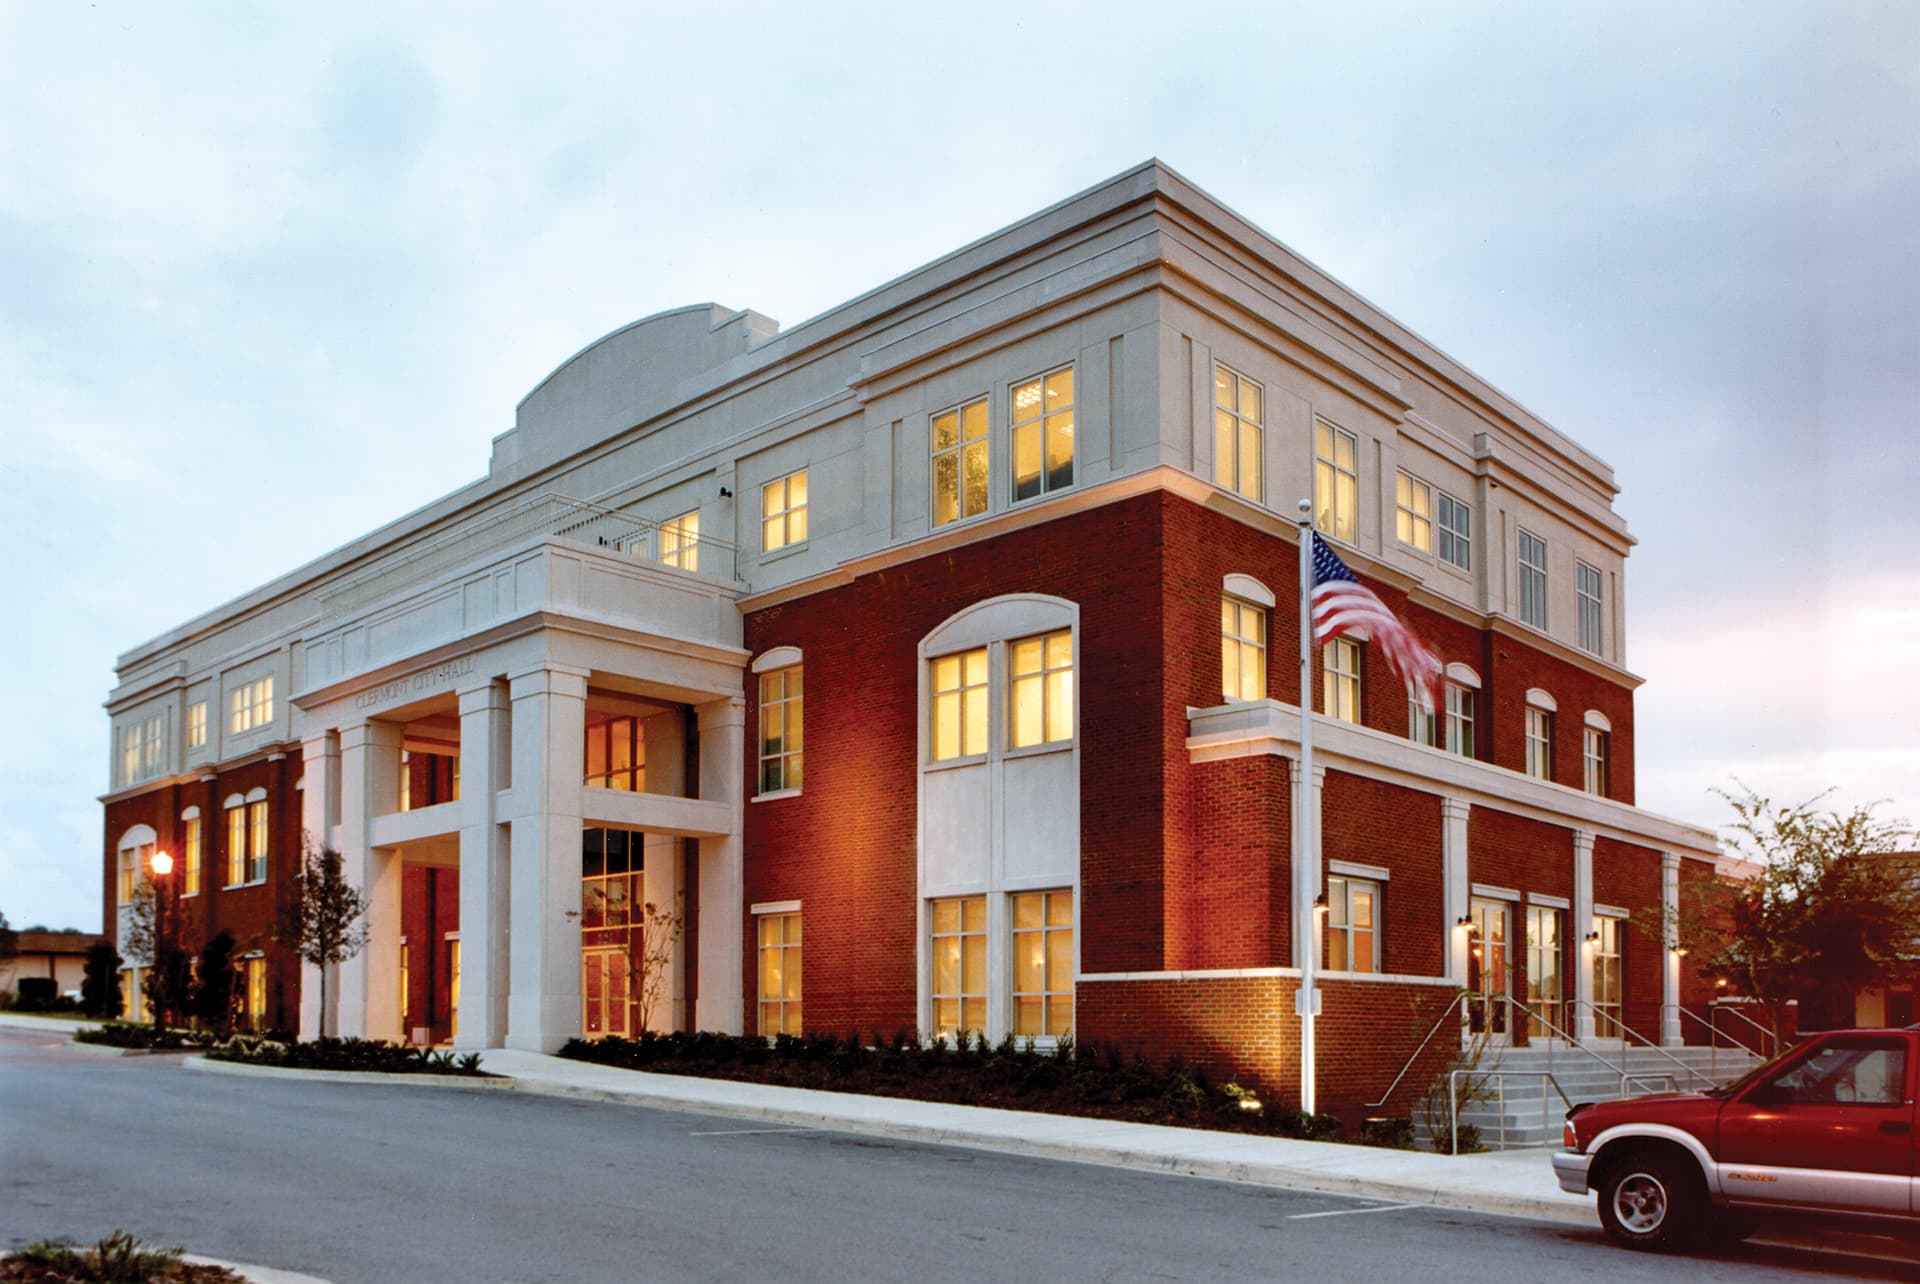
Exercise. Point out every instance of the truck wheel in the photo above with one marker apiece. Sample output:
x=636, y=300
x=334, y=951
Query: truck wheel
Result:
x=1650, y=1200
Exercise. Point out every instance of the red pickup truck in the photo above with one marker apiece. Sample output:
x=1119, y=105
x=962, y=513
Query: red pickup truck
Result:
x=1827, y=1129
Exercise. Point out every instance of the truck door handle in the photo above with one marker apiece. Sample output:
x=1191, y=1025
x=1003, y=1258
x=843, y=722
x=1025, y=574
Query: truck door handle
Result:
x=1895, y=1127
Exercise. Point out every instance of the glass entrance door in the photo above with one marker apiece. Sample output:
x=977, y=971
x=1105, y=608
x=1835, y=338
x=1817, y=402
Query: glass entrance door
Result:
x=603, y=992
x=1488, y=967
x=1544, y=998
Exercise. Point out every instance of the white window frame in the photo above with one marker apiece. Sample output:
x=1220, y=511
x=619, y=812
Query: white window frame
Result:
x=961, y=995
x=679, y=545
x=1462, y=711
x=783, y=512
x=197, y=725
x=1336, y=481
x=1341, y=889
x=1413, y=511
x=193, y=849
x=1589, y=599
x=1539, y=741
x=1243, y=649
x=1054, y=682
x=1530, y=556
x=1239, y=438
x=1050, y=992
x=965, y=444
x=259, y=835
x=1455, y=538
x=1594, y=766
x=250, y=705
x=792, y=956
x=787, y=760
x=1342, y=674
x=1042, y=421
x=960, y=687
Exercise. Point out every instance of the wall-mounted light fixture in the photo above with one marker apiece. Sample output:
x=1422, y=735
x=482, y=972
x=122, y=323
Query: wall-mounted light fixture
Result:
x=1592, y=937
x=725, y=493
x=1465, y=920
x=1680, y=951
x=1320, y=903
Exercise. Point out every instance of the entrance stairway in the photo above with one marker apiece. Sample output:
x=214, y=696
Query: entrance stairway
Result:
x=1510, y=1114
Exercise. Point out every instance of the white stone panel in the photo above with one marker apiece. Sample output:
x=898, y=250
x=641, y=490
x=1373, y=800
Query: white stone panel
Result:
x=1042, y=819
x=957, y=823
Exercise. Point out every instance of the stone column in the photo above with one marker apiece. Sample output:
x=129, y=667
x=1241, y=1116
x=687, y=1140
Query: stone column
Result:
x=485, y=727
x=1670, y=1034
x=319, y=804
x=1308, y=867
x=1456, y=891
x=1582, y=924
x=369, y=787
x=666, y=747
x=549, y=765
x=720, y=1005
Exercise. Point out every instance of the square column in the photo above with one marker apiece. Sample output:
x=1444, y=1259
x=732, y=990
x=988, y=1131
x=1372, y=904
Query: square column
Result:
x=1670, y=1034
x=1456, y=886
x=319, y=804
x=1308, y=866
x=549, y=764
x=660, y=887
x=720, y=1006
x=369, y=787
x=1582, y=924
x=485, y=749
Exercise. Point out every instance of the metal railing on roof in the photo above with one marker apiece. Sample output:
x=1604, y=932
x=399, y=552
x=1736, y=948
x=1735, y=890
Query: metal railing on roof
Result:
x=579, y=520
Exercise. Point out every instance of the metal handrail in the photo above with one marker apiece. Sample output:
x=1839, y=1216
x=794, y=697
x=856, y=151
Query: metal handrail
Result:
x=1714, y=1035
x=1645, y=1042
x=1774, y=1035
x=1626, y=1076
x=1453, y=1101
x=1458, y=999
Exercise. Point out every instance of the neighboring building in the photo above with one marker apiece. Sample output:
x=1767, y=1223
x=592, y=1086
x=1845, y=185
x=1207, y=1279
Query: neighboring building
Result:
x=1890, y=1003
x=938, y=659
x=61, y=957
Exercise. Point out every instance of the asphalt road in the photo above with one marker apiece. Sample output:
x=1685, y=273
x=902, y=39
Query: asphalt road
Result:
x=361, y=1182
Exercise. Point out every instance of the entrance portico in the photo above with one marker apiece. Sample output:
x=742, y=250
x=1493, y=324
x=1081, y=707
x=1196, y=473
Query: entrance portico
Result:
x=514, y=704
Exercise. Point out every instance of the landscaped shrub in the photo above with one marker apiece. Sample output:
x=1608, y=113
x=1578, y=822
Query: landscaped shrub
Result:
x=1066, y=1079
x=130, y=1034
x=35, y=994
x=1395, y=1133
x=117, y=1259
x=100, y=983
x=373, y=1055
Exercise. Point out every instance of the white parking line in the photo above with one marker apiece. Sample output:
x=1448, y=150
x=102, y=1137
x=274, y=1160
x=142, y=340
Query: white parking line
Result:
x=751, y=1132
x=1352, y=1212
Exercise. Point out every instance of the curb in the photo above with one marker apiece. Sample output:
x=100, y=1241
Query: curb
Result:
x=255, y=1274
x=1247, y=1171
x=491, y=1082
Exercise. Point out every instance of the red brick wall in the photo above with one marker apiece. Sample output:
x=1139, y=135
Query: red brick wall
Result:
x=1511, y=668
x=1228, y=875
x=1375, y=823
x=250, y=913
x=1629, y=876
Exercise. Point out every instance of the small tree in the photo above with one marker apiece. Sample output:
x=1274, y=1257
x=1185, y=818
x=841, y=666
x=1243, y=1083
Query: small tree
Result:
x=212, y=999
x=100, y=983
x=151, y=934
x=651, y=969
x=324, y=923
x=1831, y=909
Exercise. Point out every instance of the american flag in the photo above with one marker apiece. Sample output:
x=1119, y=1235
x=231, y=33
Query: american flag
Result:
x=1342, y=604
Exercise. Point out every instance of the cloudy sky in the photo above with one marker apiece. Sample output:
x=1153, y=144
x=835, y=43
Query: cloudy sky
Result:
x=271, y=275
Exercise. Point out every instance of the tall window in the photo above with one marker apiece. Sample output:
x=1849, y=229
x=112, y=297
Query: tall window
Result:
x=1413, y=515
x=1243, y=650
x=780, y=973
x=1236, y=432
x=1042, y=433
x=1540, y=744
x=780, y=730
x=680, y=541
x=960, y=462
x=1040, y=678
x=957, y=722
x=1423, y=725
x=1543, y=970
x=1336, y=480
x=250, y=705
x=1593, y=755
x=133, y=867
x=1353, y=917
x=617, y=755
x=197, y=725
x=142, y=746
x=256, y=838
x=1460, y=711
x=1042, y=964
x=1608, y=994
x=1340, y=679
x=453, y=986
x=1533, y=580
x=783, y=512
x=1456, y=531
x=1586, y=580
x=959, y=988
x=236, y=841
x=192, y=858
x=253, y=986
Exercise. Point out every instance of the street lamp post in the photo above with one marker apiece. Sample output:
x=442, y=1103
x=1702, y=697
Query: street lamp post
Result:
x=162, y=866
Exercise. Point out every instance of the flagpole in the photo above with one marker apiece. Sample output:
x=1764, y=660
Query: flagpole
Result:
x=1306, y=1002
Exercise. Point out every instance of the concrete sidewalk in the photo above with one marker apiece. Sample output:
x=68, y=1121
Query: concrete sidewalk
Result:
x=1519, y=1183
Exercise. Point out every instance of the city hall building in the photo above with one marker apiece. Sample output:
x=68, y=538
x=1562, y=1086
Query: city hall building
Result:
x=936, y=661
